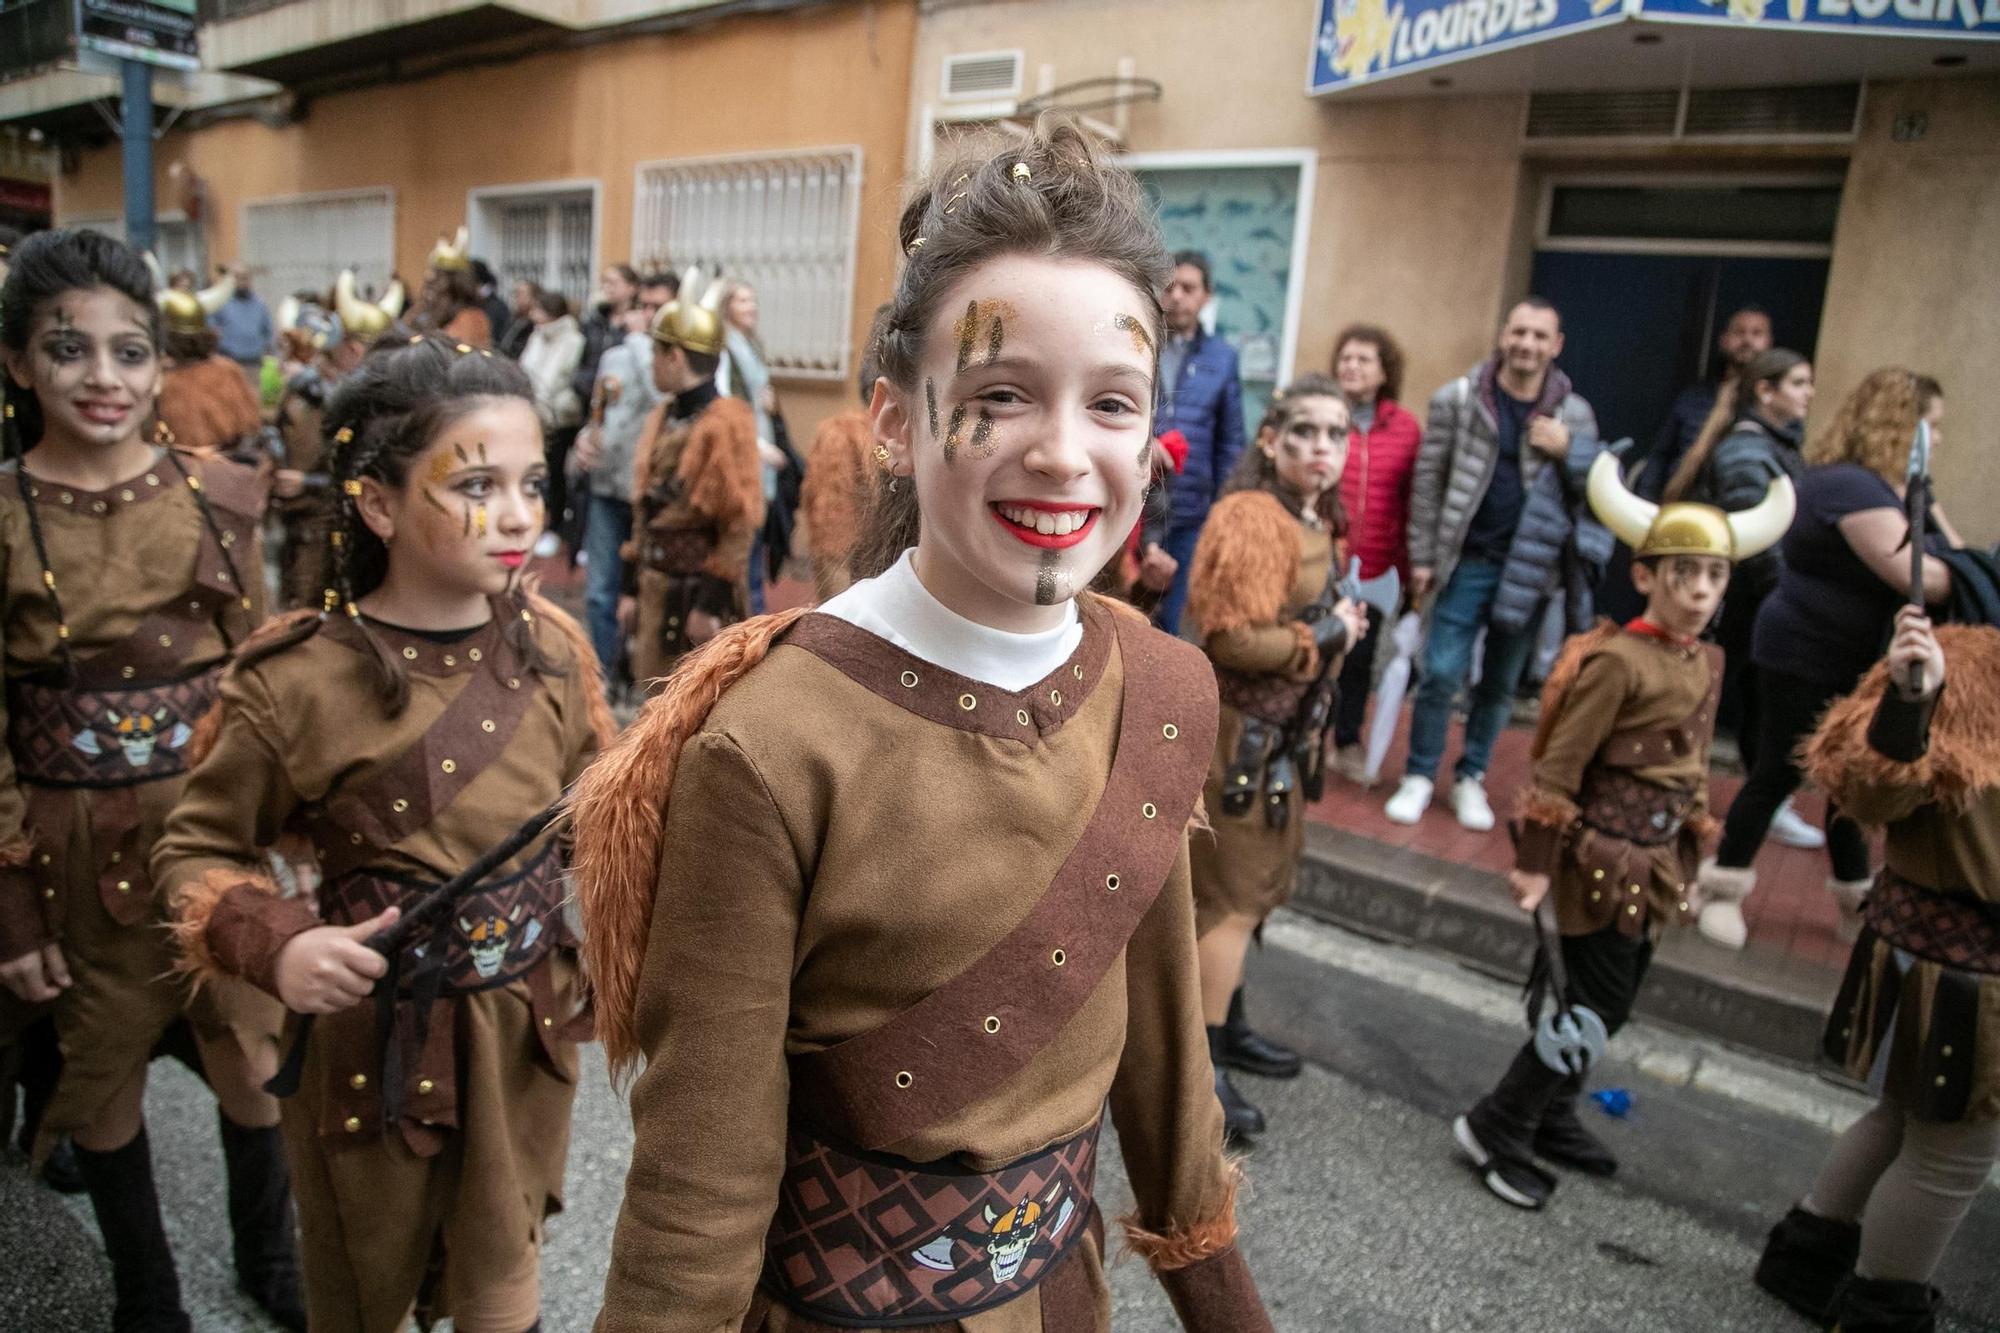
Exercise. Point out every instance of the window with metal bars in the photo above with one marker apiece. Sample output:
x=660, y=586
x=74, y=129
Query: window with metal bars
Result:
x=783, y=222
x=303, y=243
x=545, y=239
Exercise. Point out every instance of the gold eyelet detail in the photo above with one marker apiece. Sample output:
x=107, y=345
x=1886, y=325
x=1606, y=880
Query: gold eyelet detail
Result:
x=354, y=838
x=1149, y=810
x=152, y=480
x=548, y=1022
x=487, y=725
x=399, y=805
x=124, y=886
x=1171, y=732
x=476, y=655
x=1077, y=671
x=126, y=673
x=992, y=1025
x=1021, y=716
x=99, y=507
x=449, y=766
x=904, y=1078
x=909, y=680
x=424, y=1086
x=1058, y=958
x=352, y=1124
x=126, y=496
x=67, y=498
x=358, y=1082
x=410, y=654
x=513, y=682
x=1111, y=883
x=449, y=660
x=967, y=702
x=166, y=641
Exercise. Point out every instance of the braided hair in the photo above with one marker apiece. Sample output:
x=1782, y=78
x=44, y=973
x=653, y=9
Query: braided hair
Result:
x=378, y=421
x=1070, y=203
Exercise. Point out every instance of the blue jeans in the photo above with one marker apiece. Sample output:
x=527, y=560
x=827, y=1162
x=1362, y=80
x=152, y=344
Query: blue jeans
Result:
x=1181, y=537
x=1461, y=612
x=757, y=575
x=605, y=529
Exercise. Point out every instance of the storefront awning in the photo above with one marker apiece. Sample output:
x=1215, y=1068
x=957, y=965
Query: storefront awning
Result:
x=1373, y=46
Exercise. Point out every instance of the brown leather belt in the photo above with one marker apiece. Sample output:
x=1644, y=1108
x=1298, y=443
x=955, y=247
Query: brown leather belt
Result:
x=1955, y=929
x=1644, y=813
x=99, y=738
x=868, y=1240
x=676, y=550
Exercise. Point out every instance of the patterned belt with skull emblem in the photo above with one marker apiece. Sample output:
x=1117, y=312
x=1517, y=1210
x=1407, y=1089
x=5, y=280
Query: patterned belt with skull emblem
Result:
x=497, y=932
x=77, y=737
x=869, y=1240
x=1643, y=813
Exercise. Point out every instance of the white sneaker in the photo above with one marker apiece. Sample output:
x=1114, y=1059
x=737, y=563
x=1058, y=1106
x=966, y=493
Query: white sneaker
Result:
x=1790, y=827
x=548, y=544
x=1412, y=798
x=1468, y=802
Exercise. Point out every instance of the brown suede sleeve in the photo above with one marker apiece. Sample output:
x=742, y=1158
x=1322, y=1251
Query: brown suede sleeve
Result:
x=1217, y=1295
x=24, y=927
x=1285, y=648
x=1540, y=849
x=249, y=926
x=1589, y=716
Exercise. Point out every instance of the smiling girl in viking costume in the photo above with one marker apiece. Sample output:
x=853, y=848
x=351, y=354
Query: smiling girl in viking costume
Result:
x=1614, y=822
x=205, y=401
x=408, y=733
x=132, y=571
x=1263, y=594
x=891, y=897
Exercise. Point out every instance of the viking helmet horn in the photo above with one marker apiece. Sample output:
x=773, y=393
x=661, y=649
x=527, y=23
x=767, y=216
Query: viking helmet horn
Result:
x=216, y=295
x=1761, y=527
x=1629, y=517
x=364, y=320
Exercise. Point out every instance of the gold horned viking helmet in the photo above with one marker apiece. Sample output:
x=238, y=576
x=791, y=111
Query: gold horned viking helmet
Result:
x=690, y=324
x=187, y=312
x=454, y=255
x=365, y=321
x=1684, y=527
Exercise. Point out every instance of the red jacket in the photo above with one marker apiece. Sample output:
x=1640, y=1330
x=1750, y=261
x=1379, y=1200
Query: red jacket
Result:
x=1375, y=489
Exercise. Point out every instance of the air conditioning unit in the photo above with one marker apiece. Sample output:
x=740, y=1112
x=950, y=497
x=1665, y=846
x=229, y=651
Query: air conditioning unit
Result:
x=982, y=76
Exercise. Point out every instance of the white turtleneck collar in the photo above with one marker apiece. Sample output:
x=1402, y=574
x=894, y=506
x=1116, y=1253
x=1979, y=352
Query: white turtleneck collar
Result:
x=897, y=606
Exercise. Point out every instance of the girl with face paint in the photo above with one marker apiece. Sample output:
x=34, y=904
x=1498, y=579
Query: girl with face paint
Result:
x=1262, y=595
x=896, y=892
x=432, y=708
x=133, y=573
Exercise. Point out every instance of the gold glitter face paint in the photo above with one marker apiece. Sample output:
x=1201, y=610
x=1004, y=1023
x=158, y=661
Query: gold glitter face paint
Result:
x=1052, y=581
x=1142, y=341
x=953, y=433
x=981, y=445
x=479, y=521
x=981, y=317
x=930, y=405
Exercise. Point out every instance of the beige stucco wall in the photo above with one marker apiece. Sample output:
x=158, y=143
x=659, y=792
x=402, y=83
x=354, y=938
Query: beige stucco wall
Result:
x=742, y=85
x=1916, y=276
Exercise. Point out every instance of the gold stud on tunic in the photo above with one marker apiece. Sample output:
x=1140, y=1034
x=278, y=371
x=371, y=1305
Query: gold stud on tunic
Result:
x=1171, y=732
x=904, y=1078
x=992, y=1025
x=424, y=1085
x=909, y=680
x=1058, y=958
x=475, y=655
x=399, y=805
x=486, y=725
x=967, y=702
x=358, y=1082
x=410, y=653
x=1111, y=883
x=124, y=886
x=1149, y=810
x=449, y=766
x=353, y=1124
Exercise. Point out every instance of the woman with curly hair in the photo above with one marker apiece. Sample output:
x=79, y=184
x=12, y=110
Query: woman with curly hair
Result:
x=1844, y=575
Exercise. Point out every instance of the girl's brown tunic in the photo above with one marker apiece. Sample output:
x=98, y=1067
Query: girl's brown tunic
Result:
x=92, y=765
x=1256, y=569
x=474, y=1161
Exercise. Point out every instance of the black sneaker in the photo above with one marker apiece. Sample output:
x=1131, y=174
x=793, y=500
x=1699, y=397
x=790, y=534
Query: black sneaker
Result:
x=1520, y=1183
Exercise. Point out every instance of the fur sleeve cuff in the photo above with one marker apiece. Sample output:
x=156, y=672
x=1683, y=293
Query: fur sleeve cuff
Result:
x=1547, y=819
x=1183, y=1247
x=230, y=923
x=1217, y=1295
x=1703, y=827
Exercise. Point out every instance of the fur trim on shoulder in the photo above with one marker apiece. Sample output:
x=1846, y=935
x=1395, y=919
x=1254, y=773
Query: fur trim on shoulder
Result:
x=583, y=658
x=1183, y=1247
x=840, y=474
x=193, y=906
x=1562, y=677
x=619, y=809
x=1244, y=565
x=208, y=405
x=1964, y=755
x=719, y=467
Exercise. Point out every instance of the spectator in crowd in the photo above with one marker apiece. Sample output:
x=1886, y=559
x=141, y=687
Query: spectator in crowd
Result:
x=520, y=323
x=1745, y=336
x=243, y=329
x=497, y=314
x=1495, y=529
x=625, y=398
x=1375, y=491
x=1201, y=396
x=550, y=359
x=746, y=375
x=1755, y=433
x=449, y=303
x=1845, y=571
x=603, y=323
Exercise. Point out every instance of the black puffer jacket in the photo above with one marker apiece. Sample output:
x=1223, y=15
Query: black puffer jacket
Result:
x=1736, y=476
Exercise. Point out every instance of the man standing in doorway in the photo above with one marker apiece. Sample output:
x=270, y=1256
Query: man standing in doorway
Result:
x=242, y=327
x=1745, y=336
x=1494, y=529
x=1201, y=396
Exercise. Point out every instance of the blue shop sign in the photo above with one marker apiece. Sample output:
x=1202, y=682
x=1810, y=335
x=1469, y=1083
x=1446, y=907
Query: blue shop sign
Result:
x=1355, y=41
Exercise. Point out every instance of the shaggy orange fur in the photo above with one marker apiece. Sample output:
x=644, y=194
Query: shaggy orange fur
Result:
x=619, y=809
x=189, y=914
x=209, y=405
x=1166, y=1251
x=1244, y=565
x=14, y=851
x=1705, y=827
x=719, y=469
x=840, y=475
x=1563, y=676
x=1964, y=756
x=1546, y=807
x=602, y=724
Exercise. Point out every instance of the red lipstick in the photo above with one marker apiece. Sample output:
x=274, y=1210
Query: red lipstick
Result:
x=1045, y=540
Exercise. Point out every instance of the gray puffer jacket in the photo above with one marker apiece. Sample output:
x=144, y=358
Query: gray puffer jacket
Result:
x=1557, y=543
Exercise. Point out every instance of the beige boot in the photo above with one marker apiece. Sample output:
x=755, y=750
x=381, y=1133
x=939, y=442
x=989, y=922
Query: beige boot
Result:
x=1723, y=889
x=1849, y=895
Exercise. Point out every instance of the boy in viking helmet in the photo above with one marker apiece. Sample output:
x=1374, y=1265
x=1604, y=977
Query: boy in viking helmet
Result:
x=205, y=402
x=1615, y=817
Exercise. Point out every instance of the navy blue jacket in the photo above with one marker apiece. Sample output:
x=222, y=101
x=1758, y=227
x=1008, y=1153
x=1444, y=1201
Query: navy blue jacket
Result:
x=1206, y=405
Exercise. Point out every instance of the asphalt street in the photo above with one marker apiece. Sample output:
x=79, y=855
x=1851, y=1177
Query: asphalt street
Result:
x=1358, y=1215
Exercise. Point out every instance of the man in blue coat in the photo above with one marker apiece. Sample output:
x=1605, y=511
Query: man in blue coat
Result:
x=1202, y=398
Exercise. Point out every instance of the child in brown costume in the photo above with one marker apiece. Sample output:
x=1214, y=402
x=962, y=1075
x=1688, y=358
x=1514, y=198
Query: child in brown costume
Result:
x=697, y=496
x=407, y=734
x=132, y=573
x=205, y=400
x=1916, y=749
x=1614, y=821
x=1263, y=596
x=891, y=897
x=839, y=488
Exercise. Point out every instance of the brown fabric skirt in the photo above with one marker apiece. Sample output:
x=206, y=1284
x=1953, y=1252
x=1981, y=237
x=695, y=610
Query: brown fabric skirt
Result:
x=374, y=1214
x=1244, y=867
x=1925, y=1034
x=1073, y=1298
x=124, y=992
